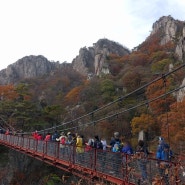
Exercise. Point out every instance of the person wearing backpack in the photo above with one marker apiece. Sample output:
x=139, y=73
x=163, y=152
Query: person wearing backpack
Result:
x=164, y=156
x=97, y=143
x=116, y=146
x=55, y=135
x=127, y=149
x=142, y=154
x=89, y=144
x=62, y=141
x=115, y=143
x=104, y=154
x=69, y=138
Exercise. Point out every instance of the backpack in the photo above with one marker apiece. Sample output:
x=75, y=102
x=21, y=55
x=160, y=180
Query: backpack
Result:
x=99, y=145
x=69, y=139
x=54, y=136
x=117, y=146
x=142, y=152
x=63, y=141
x=92, y=143
x=162, y=154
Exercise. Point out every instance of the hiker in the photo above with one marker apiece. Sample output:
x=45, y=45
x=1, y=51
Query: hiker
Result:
x=142, y=154
x=62, y=140
x=55, y=135
x=116, y=160
x=79, y=148
x=164, y=156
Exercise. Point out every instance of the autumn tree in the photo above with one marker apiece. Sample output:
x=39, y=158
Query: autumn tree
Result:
x=7, y=104
x=72, y=96
x=143, y=122
x=132, y=80
x=173, y=124
x=154, y=91
x=138, y=58
x=8, y=92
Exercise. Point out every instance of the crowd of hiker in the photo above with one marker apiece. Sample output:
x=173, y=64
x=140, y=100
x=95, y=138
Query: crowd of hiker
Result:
x=116, y=145
x=122, y=148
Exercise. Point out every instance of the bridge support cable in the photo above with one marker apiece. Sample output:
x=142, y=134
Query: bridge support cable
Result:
x=131, y=108
x=115, y=101
x=166, y=109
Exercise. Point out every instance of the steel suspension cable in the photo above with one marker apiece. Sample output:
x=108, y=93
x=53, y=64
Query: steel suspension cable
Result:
x=126, y=110
x=117, y=100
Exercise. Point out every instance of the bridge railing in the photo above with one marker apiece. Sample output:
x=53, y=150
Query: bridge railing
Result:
x=117, y=165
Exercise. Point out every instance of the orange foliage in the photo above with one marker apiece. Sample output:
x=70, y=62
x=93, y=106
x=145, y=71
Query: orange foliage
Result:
x=174, y=120
x=138, y=58
x=124, y=58
x=170, y=46
x=7, y=92
x=73, y=95
x=132, y=80
x=152, y=44
x=113, y=56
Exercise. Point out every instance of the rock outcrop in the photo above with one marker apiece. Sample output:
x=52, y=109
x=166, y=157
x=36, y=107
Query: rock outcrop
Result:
x=27, y=67
x=92, y=60
x=171, y=30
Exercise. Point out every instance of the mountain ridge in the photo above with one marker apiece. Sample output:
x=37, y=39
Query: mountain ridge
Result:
x=92, y=60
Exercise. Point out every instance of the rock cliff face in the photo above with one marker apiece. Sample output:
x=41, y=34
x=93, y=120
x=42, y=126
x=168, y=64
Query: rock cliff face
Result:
x=172, y=30
x=92, y=60
x=27, y=67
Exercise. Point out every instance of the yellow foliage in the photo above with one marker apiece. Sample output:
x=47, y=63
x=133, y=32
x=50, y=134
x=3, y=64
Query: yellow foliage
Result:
x=143, y=122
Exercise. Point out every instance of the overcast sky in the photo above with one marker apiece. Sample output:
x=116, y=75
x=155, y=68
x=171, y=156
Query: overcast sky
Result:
x=57, y=29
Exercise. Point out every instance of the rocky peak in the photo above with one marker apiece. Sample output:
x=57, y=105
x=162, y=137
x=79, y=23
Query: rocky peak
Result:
x=83, y=63
x=92, y=60
x=169, y=27
x=27, y=67
x=172, y=30
x=105, y=46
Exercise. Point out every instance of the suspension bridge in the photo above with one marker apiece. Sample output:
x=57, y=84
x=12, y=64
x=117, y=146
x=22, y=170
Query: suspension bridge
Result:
x=97, y=165
x=94, y=165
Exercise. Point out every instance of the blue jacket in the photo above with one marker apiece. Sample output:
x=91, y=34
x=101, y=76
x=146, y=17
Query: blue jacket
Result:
x=164, y=152
x=127, y=149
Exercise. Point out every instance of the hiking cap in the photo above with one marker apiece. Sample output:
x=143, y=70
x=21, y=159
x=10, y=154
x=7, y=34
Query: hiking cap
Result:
x=116, y=134
x=161, y=138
